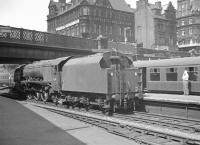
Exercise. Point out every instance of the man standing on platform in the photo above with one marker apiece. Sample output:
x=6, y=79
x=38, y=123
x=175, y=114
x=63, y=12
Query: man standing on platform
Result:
x=185, y=79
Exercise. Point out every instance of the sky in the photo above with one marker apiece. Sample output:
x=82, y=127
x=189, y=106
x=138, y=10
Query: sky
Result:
x=32, y=14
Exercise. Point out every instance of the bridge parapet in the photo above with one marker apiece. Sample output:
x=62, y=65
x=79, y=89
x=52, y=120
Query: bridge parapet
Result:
x=32, y=37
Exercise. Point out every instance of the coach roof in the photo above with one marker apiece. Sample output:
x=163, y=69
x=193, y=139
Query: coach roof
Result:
x=186, y=61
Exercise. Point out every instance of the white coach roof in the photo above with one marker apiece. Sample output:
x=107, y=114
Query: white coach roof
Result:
x=186, y=61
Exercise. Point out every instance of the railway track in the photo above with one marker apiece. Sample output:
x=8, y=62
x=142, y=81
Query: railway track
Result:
x=144, y=130
x=185, y=125
x=182, y=124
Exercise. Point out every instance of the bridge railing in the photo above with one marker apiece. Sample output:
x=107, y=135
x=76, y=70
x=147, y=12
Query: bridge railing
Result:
x=32, y=37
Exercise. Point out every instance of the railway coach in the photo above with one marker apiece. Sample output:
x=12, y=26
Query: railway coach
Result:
x=87, y=80
x=165, y=75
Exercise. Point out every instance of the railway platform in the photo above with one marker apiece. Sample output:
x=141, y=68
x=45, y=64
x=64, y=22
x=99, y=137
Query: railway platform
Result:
x=21, y=126
x=174, y=98
x=85, y=132
x=186, y=106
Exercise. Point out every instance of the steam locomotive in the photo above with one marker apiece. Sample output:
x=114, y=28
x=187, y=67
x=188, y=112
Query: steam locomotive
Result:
x=81, y=81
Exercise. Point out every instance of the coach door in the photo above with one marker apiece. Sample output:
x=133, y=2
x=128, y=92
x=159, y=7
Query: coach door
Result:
x=144, y=78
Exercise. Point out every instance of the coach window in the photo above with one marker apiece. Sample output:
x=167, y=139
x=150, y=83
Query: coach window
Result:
x=171, y=74
x=193, y=73
x=154, y=74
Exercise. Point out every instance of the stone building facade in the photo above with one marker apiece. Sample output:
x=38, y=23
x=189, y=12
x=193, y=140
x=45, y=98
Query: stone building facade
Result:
x=113, y=19
x=155, y=28
x=188, y=25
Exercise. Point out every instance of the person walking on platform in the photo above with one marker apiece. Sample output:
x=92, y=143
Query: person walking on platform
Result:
x=185, y=79
x=112, y=105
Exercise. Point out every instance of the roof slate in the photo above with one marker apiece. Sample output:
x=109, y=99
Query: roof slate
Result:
x=121, y=5
x=195, y=4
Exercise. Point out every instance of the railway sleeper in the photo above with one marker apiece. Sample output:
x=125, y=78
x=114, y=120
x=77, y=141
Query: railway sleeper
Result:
x=197, y=129
x=135, y=133
x=177, y=139
x=189, y=142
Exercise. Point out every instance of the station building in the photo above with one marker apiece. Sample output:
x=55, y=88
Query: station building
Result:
x=155, y=28
x=188, y=25
x=113, y=19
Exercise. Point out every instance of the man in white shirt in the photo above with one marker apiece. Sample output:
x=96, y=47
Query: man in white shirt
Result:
x=185, y=79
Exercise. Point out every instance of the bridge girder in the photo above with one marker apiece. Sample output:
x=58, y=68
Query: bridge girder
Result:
x=24, y=53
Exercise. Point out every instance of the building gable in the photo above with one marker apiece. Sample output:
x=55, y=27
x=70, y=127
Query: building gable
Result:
x=121, y=5
x=103, y=3
x=84, y=2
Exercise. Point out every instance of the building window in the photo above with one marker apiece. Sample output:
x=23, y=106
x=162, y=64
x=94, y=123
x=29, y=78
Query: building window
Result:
x=72, y=31
x=99, y=12
x=107, y=29
x=76, y=29
x=83, y=28
x=190, y=31
x=191, y=41
x=100, y=29
x=171, y=74
x=95, y=28
x=121, y=30
x=85, y=11
x=193, y=73
x=190, y=20
x=183, y=33
x=154, y=74
x=182, y=22
x=111, y=30
x=183, y=6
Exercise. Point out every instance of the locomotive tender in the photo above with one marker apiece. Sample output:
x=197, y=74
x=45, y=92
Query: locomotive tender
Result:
x=87, y=80
x=165, y=75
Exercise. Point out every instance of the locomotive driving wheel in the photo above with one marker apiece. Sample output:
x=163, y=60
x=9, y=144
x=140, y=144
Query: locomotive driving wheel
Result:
x=54, y=98
x=29, y=96
x=37, y=96
x=45, y=96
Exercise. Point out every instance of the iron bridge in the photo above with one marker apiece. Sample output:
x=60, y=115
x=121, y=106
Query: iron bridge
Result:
x=18, y=45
